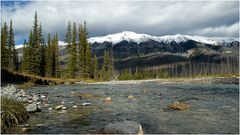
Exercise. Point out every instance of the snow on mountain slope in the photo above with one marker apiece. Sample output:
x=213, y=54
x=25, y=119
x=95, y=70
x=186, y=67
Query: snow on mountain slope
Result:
x=126, y=35
x=138, y=38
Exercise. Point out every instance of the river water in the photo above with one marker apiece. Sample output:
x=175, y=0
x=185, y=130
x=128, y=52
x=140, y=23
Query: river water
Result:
x=213, y=108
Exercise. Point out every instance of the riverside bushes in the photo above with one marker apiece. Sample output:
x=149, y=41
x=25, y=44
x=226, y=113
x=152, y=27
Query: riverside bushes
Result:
x=12, y=114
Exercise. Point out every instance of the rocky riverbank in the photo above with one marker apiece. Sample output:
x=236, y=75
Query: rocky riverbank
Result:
x=201, y=80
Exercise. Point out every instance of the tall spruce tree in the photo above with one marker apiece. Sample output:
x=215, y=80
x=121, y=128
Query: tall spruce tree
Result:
x=13, y=57
x=81, y=51
x=73, y=53
x=4, y=47
x=35, y=62
x=95, y=68
x=42, y=52
x=49, y=60
x=57, y=69
x=88, y=70
x=105, y=71
x=25, y=57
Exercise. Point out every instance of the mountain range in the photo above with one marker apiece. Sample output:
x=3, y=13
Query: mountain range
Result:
x=130, y=49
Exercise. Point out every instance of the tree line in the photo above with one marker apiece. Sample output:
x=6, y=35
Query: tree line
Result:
x=226, y=66
x=43, y=58
x=9, y=57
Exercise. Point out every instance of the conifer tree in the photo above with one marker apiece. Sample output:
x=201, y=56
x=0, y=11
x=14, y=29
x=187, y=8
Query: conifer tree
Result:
x=68, y=38
x=49, y=60
x=81, y=55
x=42, y=51
x=105, y=71
x=73, y=53
x=25, y=57
x=13, y=58
x=95, y=67
x=35, y=62
x=57, y=70
x=88, y=70
x=4, y=46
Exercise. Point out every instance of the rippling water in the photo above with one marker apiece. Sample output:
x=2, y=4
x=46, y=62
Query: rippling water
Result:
x=213, y=108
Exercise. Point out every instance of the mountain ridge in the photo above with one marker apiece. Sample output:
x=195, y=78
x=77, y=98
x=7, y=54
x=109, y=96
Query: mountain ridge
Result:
x=138, y=38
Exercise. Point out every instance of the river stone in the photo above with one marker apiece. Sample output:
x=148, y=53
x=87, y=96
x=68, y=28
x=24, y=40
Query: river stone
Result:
x=179, y=106
x=130, y=97
x=125, y=127
x=35, y=98
x=58, y=107
x=32, y=108
x=86, y=104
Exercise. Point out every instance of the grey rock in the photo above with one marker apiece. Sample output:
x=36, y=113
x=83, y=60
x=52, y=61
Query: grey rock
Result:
x=33, y=108
x=86, y=104
x=125, y=127
x=58, y=107
x=35, y=98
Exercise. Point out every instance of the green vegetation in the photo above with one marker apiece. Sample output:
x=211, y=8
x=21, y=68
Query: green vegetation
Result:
x=9, y=57
x=12, y=114
x=190, y=69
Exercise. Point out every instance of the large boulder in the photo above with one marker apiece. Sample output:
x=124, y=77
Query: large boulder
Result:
x=125, y=127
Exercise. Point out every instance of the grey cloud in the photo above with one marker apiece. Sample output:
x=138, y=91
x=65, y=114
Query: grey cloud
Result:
x=156, y=18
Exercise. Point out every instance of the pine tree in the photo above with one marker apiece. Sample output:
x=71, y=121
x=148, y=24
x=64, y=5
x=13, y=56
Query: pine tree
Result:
x=73, y=54
x=30, y=53
x=49, y=60
x=95, y=67
x=25, y=57
x=42, y=51
x=81, y=55
x=4, y=46
x=13, y=57
x=88, y=70
x=106, y=70
x=35, y=61
x=68, y=38
x=57, y=70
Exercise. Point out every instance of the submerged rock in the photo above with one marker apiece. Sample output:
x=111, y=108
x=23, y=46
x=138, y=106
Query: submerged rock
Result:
x=179, y=106
x=64, y=108
x=86, y=104
x=108, y=99
x=25, y=129
x=50, y=109
x=58, y=107
x=33, y=108
x=125, y=127
x=130, y=97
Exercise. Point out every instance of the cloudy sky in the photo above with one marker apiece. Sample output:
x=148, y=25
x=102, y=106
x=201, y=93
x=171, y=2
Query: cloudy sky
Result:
x=206, y=18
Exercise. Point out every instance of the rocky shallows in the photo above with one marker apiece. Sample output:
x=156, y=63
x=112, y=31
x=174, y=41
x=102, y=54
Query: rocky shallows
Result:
x=105, y=108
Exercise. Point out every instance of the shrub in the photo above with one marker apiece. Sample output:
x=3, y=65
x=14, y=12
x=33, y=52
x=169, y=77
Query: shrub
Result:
x=12, y=113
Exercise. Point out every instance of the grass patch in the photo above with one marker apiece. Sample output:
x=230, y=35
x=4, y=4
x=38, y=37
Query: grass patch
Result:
x=25, y=85
x=12, y=114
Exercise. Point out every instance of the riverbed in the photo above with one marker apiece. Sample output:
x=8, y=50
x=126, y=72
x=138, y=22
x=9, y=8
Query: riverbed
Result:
x=213, y=108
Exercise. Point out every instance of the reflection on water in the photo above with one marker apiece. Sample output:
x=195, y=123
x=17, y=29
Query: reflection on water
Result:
x=213, y=108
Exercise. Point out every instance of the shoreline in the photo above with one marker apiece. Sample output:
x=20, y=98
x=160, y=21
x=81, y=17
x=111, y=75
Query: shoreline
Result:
x=198, y=80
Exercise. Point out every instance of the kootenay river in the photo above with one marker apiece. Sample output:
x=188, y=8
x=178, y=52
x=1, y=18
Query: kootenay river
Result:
x=213, y=108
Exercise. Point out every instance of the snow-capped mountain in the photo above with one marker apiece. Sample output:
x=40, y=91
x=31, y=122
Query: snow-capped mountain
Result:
x=138, y=38
x=130, y=49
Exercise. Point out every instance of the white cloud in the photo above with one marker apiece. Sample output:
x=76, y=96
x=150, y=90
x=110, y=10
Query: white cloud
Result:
x=155, y=18
x=224, y=31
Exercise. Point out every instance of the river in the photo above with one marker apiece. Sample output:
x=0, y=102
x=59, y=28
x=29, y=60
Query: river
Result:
x=213, y=108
